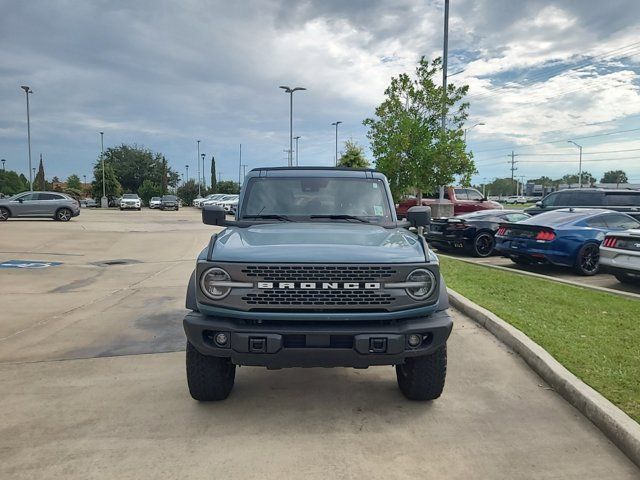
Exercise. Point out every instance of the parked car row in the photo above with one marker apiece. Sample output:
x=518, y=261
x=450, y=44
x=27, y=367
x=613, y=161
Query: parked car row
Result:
x=227, y=201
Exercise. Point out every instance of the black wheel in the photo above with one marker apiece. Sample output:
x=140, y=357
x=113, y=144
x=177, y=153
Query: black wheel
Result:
x=139, y=209
x=588, y=259
x=422, y=378
x=621, y=277
x=520, y=261
x=209, y=378
x=483, y=244
x=4, y=214
x=63, y=215
x=121, y=208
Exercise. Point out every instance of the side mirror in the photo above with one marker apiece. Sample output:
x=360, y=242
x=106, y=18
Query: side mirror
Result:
x=20, y=200
x=213, y=215
x=539, y=204
x=419, y=216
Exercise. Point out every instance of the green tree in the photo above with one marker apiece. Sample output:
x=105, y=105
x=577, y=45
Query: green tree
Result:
x=149, y=189
x=188, y=191
x=353, y=156
x=406, y=137
x=73, y=182
x=39, y=183
x=228, y=186
x=501, y=187
x=587, y=179
x=133, y=165
x=614, y=176
x=112, y=185
x=214, y=180
x=12, y=183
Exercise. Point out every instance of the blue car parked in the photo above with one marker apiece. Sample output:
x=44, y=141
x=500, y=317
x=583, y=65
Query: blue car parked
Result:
x=568, y=237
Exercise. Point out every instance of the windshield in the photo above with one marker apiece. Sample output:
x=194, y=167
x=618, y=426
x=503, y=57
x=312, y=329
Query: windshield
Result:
x=169, y=198
x=313, y=196
x=130, y=195
x=155, y=198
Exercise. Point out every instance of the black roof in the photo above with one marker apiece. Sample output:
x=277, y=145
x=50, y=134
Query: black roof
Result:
x=600, y=189
x=313, y=168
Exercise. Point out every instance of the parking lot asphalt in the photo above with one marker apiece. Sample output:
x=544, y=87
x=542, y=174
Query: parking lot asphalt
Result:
x=93, y=382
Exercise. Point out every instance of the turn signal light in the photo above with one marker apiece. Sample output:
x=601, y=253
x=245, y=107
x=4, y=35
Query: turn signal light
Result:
x=545, y=236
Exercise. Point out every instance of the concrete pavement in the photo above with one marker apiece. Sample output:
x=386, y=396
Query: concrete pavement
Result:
x=96, y=388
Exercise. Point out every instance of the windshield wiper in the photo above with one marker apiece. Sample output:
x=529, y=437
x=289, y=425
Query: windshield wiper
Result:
x=269, y=217
x=341, y=217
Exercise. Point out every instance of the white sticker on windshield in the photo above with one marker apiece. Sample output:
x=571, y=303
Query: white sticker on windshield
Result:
x=377, y=209
x=375, y=184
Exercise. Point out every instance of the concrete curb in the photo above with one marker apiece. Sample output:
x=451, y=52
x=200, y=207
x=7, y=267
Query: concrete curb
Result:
x=621, y=429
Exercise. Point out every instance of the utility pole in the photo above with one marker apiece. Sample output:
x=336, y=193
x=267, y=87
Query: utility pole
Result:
x=219, y=177
x=579, y=164
x=296, y=139
x=445, y=55
x=336, y=124
x=240, y=168
x=104, y=203
x=187, y=167
x=513, y=167
x=27, y=91
x=204, y=181
x=198, y=163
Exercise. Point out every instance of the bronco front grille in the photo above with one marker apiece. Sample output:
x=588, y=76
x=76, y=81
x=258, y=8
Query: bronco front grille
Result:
x=319, y=273
x=320, y=298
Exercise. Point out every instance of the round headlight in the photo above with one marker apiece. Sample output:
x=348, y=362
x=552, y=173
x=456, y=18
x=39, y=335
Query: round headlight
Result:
x=210, y=283
x=426, y=280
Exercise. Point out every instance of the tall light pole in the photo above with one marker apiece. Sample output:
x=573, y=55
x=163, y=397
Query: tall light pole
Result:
x=470, y=128
x=187, y=167
x=198, y=163
x=290, y=91
x=240, y=168
x=336, y=125
x=85, y=181
x=27, y=91
x=204, y=182
x=3, y=169
x=104, y=203
x=296, y=139
x=579, y=164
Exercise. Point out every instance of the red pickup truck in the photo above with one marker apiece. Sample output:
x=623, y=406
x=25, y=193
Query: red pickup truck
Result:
x=464, y=200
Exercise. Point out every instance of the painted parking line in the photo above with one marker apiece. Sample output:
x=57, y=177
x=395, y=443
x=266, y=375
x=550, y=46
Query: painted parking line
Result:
x=28, y=264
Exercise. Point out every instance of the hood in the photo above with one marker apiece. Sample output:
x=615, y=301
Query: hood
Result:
x=318, y=243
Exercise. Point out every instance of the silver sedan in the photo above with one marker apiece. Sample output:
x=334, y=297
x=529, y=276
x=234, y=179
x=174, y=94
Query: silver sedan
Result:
x=620, y=255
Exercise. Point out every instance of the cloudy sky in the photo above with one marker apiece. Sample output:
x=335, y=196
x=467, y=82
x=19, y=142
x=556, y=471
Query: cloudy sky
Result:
x=163, y=74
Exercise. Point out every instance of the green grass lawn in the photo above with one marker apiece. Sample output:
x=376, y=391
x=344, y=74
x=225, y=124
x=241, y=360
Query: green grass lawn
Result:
x=596, y=335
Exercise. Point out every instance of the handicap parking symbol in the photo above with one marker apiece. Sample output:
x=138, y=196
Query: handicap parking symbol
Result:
x=28, y=264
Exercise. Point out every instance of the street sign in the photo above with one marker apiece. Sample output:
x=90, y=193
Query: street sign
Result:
x=28, y=264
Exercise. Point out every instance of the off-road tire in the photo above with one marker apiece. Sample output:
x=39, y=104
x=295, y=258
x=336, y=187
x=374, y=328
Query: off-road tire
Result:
x=588, y=260
x=422, y=378
x=209, y=378
x=4, y=214
x=63, y=215
x=483, y=244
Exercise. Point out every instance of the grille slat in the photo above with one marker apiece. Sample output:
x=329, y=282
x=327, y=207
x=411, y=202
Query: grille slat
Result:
x=318, y=297
x=319, y=273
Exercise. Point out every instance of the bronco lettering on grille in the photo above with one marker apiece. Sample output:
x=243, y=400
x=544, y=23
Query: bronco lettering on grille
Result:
x=319, y=285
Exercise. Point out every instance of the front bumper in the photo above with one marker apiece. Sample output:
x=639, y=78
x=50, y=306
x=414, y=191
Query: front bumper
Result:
x=325, y=344
x=130, y=205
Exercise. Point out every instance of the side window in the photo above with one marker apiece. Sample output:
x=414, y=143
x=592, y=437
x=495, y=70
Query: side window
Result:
x=597, y=222
x=580, y=199
x=622, y=199
x=28, y=196
x=461, y=194
x=48, y=196
x=515, y=217
x=551, y=200
x=620, y=222
x=474, y=194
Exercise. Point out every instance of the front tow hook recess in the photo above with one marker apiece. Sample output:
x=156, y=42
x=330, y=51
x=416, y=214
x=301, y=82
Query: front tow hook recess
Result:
x=378, y=345
x=257, y=345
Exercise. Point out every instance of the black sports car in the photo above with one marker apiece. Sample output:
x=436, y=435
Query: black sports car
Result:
x=471, y=232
